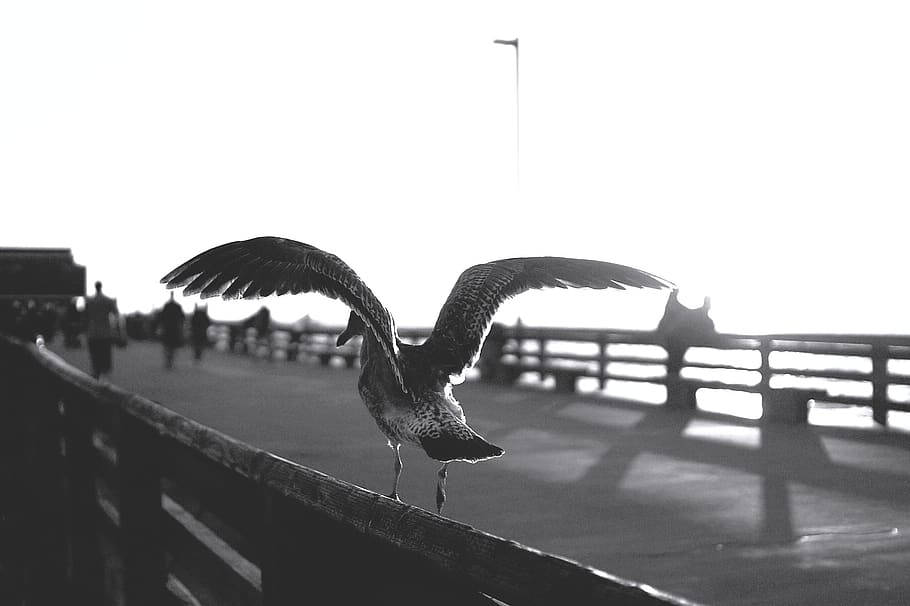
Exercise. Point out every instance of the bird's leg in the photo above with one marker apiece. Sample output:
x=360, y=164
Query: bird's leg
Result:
x=398, y=466
x=441, y=488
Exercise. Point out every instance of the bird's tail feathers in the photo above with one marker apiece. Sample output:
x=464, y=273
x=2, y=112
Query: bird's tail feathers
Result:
x=453, y=448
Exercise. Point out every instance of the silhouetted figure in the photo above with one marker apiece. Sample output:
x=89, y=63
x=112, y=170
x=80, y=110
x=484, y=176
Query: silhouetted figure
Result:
x=171, y=326
x=682, y=328
x=101, y=323
x=702, y=324
x=262, y=322
x=199, y=331
x=692, y=325
x=673, y=312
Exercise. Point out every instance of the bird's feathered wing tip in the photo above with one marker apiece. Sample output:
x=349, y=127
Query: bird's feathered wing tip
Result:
x=465, y=318
x=264, y=266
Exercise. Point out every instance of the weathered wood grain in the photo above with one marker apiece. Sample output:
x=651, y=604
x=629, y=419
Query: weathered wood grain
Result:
x=206, y=565
x=216, y=495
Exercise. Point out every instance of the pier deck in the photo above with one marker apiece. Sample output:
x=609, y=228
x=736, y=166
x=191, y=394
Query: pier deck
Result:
x=712, y=508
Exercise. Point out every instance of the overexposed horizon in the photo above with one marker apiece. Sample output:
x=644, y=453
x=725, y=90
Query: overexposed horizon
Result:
x=754, y=153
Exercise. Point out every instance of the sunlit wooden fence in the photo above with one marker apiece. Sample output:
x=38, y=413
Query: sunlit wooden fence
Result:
x=110, y=498
x=788, y=370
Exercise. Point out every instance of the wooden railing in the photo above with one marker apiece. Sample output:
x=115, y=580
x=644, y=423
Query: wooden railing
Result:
x=108, y=497
x=786, y=382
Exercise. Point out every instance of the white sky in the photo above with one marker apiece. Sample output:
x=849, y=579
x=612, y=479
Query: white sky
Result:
x=756, y=152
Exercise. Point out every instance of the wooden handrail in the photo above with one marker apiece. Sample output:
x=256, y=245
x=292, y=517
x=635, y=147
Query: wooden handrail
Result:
x=306, y=515
x=567, y=367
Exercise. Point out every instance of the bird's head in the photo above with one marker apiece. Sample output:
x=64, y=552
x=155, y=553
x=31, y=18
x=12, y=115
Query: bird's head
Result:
x=355, y=327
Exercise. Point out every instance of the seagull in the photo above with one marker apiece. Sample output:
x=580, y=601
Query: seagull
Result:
x=406, y=388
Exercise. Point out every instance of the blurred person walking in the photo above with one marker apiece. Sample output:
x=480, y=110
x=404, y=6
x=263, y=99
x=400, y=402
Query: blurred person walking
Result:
x=199, y=327
x=171, y=325
x=102, y=322
x=262, y=322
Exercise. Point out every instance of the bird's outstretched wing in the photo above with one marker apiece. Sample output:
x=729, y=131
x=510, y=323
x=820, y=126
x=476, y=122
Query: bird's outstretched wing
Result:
x=465, y=318
x=264, y=266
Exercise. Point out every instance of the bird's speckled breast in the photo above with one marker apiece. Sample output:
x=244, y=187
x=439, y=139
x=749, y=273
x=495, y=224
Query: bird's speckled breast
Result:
x=384, y=412
x=386, y=402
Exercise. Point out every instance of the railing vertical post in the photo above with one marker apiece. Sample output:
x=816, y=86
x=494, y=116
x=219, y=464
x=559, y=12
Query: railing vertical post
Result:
x=280, y=580
x=86, y=568
x=269, y=345
x=602, y=364
x=233, y=338
x=46, y=547
x=14, y=476
x=542, y=357
x=141, y=515
x=519, y=342
x=303, y=345
x=293, y=346
x=680, y=395
x=764, y=385
x=880, y=383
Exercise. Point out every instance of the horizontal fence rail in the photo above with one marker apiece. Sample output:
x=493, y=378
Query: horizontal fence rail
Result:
x=788, y=370
x=112, y=498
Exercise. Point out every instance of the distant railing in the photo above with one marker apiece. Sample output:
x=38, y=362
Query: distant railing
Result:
x=821, y=366
x=108, y=497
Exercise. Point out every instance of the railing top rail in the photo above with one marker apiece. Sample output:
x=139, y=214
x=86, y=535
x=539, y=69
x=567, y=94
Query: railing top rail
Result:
x=854, y=338
x=592, y=334
x=497, y=566
x=644, y=336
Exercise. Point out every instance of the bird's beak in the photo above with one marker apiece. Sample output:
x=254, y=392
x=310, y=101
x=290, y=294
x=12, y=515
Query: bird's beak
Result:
x=344, y=337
